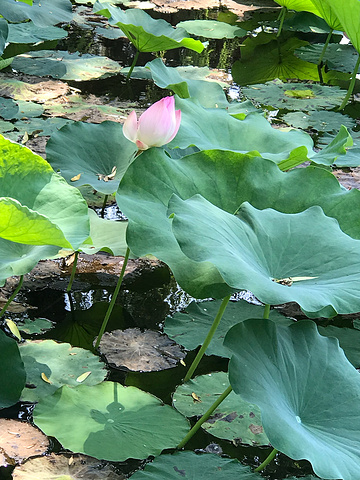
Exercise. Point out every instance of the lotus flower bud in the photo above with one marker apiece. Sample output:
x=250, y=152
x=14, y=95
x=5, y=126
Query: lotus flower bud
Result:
x=157, y=126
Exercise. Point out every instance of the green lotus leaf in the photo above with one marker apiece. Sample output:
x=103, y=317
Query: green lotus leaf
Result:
x=29, y=179
x=351, y=156
x=190, y=329
x=337, y=57
x=36, y=326
x=19, y=259
x=200, y=126
x=195, y=467
x=39, y=126
x=212, y=29
x=327, y=13
x=299, y=5
x=41, y=12
x=29, y=32
x=146, y=33
x=347, y=14
x=250, y=253
x=91, y=151
x=9, y=108
x=110, y=422
x=64, y=65
x=295, y=96
x=4, y=31
x=10, y=362
x=349, y=339
x=61, y=364
x=262, y=62
x=153, y=177
x=20, y=224
x=306, y=389
x=303, y=22
x=235, y=419
x=318, y=121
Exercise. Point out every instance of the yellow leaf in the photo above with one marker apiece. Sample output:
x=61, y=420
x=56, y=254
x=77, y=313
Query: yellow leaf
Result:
x=13, y=328
x=82, y=377
x=45, y=378
x=195, y=397
x=75, y=178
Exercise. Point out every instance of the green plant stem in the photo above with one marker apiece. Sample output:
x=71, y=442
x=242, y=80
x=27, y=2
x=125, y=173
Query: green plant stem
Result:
x=267, y=460
x=132, y=65
x=73, y=271
x=319, y=62
x=206, y=415
x=104, y=205
x=208, y=338
x=113, y=299
x=266, y=311
x=282, y=16
x=13, y=295
x=352, y=85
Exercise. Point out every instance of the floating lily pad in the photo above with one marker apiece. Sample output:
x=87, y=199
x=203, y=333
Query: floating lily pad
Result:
x=37, y=92
x=318, y=121
x=191, y=466
x=64, y=467
x=140, y=351
x=50, y=365
x=36, y=326
x=249, y=252
x=19, y=441
x=146, y=187
x=212, y=29
x=104, y=421
x=146, y=33
x=41, y=12
x=295, y=96
x=39, y=126
x=95, y=151
x=190, y=329
x=349, y=340
x=337, y=57
x=10, y=362
x=9, y=108
x=30, y=33
x=64, y=65
x=235, y=419
x=306, y=389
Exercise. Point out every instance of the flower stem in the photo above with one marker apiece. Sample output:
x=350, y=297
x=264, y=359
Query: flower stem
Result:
x=319, y=62
x=351, y=86
x=73, y=271
x=104, y=205
x=113, y=299
x=208, y=338
x=267, y=460
x=266, y=311
x=282, y=16
x=206, y=415
x=13, y=295
x=132, y=65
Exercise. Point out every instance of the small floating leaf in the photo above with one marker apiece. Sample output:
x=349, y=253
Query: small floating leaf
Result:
x=83, y=377
x=75, y=178
x=13, y=328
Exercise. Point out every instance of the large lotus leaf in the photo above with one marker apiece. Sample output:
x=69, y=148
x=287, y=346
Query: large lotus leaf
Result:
x=11, y=110
x=30, y=180
x=316, y=120
x=61, y=364
x=29, y=32
x=337, y=56
x=250, y=253
x=64, y=65
x=19, y=259
x=268, y=61
x=14, y=88
x=303, y=22
x=20, y=224
x=350, y=158
x=349, y=340
x=212, y=29
x=234, y=419
x=39, y=126
x=146, y=33
x=110, y=422
x=299, y=5
x=41, y=12
x=153, y=177
x=348, y=15
x=200, y=126
x=12, y=372
x=4, y=31
x=295, y=96
x=327, y=13
x=190, y=329
x=307, y=391
x=191, y=466
x=91, y=151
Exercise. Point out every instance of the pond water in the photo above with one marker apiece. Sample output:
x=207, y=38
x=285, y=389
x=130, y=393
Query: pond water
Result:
x=149, y=292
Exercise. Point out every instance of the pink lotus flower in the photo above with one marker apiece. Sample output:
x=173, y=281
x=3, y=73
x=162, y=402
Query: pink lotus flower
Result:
x=157, y=126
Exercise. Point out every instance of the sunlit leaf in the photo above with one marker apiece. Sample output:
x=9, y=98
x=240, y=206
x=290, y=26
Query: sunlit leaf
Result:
x=41, y=12
x=211, y=29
